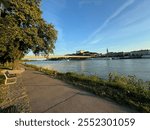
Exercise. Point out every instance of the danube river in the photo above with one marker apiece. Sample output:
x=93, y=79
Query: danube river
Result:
x=138, y=67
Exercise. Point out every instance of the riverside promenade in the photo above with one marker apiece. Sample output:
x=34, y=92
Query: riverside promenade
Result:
x=48, y=95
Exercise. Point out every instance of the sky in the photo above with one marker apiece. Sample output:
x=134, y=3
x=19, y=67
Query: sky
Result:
x=95, y=25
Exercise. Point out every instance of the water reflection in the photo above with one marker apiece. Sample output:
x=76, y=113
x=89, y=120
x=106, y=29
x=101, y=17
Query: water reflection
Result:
x=138, y=67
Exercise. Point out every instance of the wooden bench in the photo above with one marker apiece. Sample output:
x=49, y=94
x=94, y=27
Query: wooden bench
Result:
x=10, y=78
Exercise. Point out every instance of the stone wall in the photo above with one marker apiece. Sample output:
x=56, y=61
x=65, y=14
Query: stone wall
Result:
x=14, y=96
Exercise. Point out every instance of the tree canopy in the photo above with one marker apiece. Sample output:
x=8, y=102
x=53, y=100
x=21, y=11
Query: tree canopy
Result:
x=23, y=29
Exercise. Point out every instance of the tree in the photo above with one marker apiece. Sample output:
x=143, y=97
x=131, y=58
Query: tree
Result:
x=22, y=29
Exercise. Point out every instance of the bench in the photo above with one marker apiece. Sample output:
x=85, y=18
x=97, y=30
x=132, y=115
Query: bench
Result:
x=10, y=78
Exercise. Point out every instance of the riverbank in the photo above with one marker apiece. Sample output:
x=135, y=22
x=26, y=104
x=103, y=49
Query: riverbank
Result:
x=50, y=94
x=125, y=91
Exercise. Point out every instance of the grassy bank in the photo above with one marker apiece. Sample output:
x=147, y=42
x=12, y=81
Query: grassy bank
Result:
x=124, y=90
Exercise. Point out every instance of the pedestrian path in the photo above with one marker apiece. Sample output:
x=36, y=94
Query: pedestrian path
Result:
x=48, y=95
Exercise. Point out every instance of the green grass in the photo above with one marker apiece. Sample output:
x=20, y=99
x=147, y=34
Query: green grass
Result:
x=124, y=90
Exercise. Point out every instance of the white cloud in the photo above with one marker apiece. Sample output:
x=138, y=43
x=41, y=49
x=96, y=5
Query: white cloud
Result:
x=131, y=23
x=135, y=15
x=109, y=19
x=114, y=15
x=97, y=40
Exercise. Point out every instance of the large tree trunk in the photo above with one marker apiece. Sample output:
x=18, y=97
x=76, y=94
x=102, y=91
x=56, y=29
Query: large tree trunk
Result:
x=15, y=65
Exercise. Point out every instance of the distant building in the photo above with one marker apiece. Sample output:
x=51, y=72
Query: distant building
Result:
x=107, y=51
x=140, y=53
x=87, y=53
x=115, y=54
x=80, y=52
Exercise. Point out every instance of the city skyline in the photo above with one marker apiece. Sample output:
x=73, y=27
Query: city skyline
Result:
x=95, y=25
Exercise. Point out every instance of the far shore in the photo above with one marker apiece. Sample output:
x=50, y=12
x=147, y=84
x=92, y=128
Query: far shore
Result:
x=55, y=58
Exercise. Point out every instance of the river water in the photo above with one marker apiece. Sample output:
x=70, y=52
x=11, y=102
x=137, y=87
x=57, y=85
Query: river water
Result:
x=138, y=67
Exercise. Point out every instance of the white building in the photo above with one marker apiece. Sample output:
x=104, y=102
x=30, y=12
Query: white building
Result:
x=141, y=52
x=80, y=51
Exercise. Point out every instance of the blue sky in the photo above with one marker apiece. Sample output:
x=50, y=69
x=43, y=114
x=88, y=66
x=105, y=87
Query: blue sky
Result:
x=94, y=25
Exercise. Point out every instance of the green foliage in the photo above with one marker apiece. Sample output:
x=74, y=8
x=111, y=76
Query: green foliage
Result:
x=4, y=2
x=22, y=29
x=125, y=90
x=136, y=84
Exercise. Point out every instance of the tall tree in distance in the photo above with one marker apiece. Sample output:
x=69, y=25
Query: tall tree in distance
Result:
x=22, y=29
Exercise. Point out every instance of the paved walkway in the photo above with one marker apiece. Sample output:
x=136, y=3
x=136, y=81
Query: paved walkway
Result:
x=52, y=95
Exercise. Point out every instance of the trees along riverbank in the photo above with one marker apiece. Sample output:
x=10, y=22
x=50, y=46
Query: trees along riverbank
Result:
x=124, y=90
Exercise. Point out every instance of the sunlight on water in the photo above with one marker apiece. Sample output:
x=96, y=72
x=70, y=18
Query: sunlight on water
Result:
x=137, y=67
